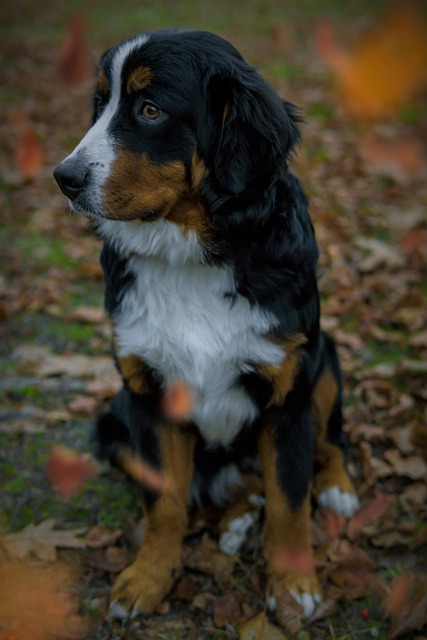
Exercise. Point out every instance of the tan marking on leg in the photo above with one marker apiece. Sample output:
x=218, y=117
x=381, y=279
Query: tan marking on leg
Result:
x=328, y=456
x=287, y=549
x=149, y=578
x=323, y=400
x=282, y=377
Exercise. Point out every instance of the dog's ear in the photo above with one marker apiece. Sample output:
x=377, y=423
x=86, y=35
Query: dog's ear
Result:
x=251, y=130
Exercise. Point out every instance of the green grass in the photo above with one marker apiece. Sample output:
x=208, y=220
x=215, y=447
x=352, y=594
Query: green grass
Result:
x=106, y=21
x=107, y=499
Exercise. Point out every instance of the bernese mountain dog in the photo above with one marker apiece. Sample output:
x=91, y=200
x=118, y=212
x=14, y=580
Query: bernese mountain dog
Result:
x=210, y=271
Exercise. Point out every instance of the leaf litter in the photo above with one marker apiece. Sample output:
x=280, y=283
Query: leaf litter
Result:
x=371, y=229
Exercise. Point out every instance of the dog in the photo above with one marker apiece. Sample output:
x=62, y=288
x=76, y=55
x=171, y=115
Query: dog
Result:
x=210, y=260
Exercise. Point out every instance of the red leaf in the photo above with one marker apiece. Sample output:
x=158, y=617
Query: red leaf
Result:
x=68, y=470
x=398, y=42
x=407, y=605
x=29, y=153
x=178, y=402
x=375, y=509
x=71, y=66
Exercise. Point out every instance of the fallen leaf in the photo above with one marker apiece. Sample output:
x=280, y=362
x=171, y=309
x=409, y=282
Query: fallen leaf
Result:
x=407, y=604
x=397, y=42
x=369, y=512
x=42, y=540
x=41, y=361
x=112, y=559
x=71, y=65
x=101, y=536
x=228, y=609
x=185, y=589
x=68, y=470
x=259, y=628
x=88, y=314
x=401, y=159
x=83, y=404
x=39, y=602
x=413, y=467
x=178, y=401
x=29, y=156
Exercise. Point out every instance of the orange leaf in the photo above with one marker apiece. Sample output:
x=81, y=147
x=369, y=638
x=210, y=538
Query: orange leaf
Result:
x=407, y=605
x=68, y=470
x=37, y=602
x=28, y=150
x=375, y=509
x=386, y=66
x=178, y=402
x=71, y=66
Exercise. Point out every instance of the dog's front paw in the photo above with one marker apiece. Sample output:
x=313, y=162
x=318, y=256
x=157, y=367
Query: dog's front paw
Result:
x=138, y=590
x=344, y=503
x=303, y=589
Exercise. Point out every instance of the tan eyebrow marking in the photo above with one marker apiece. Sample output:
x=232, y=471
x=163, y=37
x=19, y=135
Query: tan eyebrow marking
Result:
x=138, y=79
x=102, y=83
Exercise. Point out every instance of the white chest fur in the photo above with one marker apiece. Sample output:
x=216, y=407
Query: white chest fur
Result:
x=183, y=322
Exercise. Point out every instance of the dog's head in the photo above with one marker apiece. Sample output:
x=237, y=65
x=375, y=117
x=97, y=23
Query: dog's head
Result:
x=179, y=117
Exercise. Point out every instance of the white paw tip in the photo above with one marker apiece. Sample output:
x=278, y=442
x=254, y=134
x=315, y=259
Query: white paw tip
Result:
x=231, y=540
x=307, y=601
x=117, y=610
x=341, y=502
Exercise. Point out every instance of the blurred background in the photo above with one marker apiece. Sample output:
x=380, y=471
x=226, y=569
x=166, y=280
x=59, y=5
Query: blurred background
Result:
x=357, y=69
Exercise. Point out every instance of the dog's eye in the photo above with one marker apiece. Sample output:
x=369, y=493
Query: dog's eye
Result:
x=150, y=111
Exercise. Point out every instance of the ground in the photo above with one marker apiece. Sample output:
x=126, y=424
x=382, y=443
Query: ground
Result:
x=364, y=172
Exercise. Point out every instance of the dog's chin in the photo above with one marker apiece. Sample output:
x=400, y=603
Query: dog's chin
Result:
x=95, y=214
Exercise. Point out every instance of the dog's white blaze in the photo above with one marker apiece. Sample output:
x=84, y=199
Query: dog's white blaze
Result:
x=179, y=320
x=97, y=146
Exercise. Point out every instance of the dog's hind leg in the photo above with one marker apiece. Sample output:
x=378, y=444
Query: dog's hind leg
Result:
x=285, y=456
x=332, y=486
x=241, y=515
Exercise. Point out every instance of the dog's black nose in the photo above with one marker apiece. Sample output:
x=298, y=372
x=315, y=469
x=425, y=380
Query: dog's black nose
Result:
x=71, y=176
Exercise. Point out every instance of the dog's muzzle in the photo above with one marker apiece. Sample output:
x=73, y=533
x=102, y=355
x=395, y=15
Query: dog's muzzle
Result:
x=72, y=176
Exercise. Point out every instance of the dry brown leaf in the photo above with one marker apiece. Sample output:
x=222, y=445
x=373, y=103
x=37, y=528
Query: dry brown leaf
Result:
x=42, y=541
x=113, y=559
x=41, y=361
x=39, y=602
x=208, y=559
x=83, y=404
x=228, y=609
x=101, y=536
x=414, y=467
x=185, y=589
x=88, y=314
x=401, y=159
x=370, y=512
x=407, y=604
x=259, y=628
